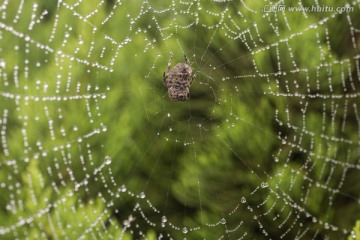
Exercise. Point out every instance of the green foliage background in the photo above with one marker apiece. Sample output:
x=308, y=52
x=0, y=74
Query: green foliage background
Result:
x=194, y=175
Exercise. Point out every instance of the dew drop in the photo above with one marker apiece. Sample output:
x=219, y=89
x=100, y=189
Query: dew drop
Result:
x=223, y=221
x=185, y=230
x=123, y=188
x=164, y=219
x=107, y=160
x=243, y=200
x=142, y=195
x=2, y=64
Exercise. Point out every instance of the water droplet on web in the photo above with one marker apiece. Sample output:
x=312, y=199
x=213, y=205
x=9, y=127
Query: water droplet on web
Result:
x=185, y=230
x=107, y=160
x=223, y=221
x=122, y=188
x=243, y=200
x=264, y=184
x=164, y=219
x=142, y=195
x=326, y=226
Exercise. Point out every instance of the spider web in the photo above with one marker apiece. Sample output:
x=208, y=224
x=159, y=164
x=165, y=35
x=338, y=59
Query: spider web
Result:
x=91, y=147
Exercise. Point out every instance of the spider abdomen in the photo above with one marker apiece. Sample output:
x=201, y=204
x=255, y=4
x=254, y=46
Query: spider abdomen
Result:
x=178, y=80
x=180, y=73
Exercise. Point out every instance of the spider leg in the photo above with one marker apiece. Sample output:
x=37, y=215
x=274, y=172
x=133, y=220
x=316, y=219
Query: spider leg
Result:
x=168, y=69
x=186, y=59
x=164, y=78
x=169, y=63
x=194, y=76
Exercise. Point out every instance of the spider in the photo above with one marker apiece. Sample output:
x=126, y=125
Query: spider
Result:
x=178, y=80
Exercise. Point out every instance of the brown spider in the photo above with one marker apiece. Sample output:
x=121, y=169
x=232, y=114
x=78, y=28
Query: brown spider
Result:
x=178, y=80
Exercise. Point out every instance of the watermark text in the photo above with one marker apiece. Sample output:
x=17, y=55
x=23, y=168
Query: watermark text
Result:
x=314, y=8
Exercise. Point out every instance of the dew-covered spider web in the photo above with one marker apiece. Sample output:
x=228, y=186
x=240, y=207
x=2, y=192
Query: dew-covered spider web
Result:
x=267, y=146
